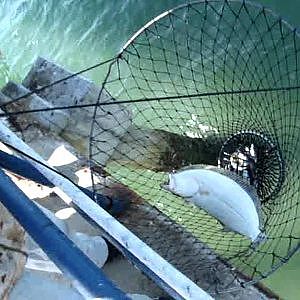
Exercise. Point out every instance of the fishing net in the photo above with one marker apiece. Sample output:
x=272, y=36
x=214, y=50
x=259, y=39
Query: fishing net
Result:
x=205, y=83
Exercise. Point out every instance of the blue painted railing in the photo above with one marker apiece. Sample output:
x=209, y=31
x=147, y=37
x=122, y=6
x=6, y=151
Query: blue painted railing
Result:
x=58, y=247
x=25, y=169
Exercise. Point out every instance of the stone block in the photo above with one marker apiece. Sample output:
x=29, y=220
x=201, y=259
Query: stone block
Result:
x=4, y=99
x=55, y=120
x=114, y=119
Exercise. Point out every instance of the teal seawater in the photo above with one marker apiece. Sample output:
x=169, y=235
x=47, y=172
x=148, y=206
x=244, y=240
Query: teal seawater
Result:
x=80, y=33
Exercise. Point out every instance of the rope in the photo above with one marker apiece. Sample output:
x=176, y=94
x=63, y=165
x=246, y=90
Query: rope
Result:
x=56, y=82
x=175, y=98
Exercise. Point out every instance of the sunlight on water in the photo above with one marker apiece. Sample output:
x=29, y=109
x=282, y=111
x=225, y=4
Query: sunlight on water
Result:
x=75, y=33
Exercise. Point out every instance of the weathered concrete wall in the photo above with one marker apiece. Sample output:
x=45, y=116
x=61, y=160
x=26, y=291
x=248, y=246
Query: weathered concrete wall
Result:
x=12, y=255
x=112, y=120
x=3, y=98
x=54, y=121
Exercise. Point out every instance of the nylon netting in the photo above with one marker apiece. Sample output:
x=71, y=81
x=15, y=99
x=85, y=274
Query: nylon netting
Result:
x=197, y=83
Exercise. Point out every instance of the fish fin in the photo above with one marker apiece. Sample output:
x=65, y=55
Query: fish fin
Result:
x=225, y=228
x=228, y=229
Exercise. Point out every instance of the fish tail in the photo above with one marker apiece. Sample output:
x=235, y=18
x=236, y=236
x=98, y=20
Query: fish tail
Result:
x=262, y=237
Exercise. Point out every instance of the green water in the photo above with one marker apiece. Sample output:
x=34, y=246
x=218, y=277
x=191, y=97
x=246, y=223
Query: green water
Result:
x=78, y=34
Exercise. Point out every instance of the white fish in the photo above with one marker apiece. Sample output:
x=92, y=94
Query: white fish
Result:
x=221, y=197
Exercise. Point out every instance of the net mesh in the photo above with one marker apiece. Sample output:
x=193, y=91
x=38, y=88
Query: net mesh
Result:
x=197, y=83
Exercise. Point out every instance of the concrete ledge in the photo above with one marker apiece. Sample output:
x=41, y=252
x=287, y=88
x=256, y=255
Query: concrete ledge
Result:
x=112, y=120
x=54, y=121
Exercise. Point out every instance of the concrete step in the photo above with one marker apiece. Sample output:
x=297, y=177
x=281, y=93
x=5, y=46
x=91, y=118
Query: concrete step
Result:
x=55, y=121
x=112, y=120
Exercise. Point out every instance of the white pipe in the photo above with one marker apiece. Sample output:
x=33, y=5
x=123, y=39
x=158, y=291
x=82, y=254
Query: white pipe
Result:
x=184, y=287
